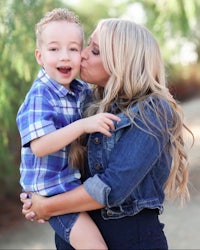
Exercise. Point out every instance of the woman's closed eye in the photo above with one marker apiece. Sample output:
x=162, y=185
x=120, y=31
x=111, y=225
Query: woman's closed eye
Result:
x=96, y=52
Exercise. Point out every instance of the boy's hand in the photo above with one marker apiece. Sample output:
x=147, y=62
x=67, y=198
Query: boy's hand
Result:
x=102, y=122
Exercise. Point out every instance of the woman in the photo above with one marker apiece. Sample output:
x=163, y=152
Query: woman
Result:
x=129, y=173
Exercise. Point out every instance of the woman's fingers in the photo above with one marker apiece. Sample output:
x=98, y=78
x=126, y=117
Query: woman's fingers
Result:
x=29, y=215
x=27, y=204
x=23, y=196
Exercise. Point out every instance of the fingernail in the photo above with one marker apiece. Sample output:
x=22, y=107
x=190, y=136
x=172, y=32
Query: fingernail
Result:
x=23, y=196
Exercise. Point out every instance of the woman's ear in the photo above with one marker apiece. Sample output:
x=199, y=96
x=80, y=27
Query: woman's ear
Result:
x=38, y=57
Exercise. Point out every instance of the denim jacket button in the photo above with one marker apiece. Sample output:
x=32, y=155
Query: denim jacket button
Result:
x=97, y=166
x=109, y=212
x=96, y=140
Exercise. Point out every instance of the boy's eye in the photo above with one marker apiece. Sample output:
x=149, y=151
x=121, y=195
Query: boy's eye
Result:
x=74, y=49
x=53, y=49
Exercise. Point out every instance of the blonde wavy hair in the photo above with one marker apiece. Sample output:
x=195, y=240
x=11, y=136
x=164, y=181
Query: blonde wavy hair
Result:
x=131, y=56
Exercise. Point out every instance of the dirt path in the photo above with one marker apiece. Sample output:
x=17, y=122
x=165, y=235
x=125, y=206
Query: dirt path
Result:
x=182, y=225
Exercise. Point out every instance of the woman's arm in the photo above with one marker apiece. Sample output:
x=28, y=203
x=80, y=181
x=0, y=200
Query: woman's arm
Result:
x=76, y=200
x=58, y=139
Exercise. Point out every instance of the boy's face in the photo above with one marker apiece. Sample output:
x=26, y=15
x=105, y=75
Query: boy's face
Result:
x=59, y=51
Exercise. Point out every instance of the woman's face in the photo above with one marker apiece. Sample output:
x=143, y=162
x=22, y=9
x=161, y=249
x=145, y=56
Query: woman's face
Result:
x=92, y=70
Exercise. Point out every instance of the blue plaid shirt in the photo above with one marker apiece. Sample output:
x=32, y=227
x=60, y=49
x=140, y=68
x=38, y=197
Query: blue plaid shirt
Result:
x=47, y=107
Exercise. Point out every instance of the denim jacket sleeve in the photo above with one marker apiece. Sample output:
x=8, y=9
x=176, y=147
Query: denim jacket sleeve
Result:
x=132, y=158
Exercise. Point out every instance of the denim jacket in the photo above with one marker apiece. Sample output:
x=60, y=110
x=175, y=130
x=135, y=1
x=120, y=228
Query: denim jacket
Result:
x=129, y=169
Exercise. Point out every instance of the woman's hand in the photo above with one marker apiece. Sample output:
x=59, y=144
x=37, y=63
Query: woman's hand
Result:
x=32, y=207
x=73, y=201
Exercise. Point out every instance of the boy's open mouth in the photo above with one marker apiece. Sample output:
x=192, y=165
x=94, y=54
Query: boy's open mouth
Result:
x=64, y=70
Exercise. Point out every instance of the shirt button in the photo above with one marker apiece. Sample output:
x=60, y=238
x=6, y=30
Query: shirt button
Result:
x=96, y=140
x=97, y=166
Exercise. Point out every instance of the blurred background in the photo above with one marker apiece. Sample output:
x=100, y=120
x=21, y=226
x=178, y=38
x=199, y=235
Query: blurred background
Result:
x=174, y=23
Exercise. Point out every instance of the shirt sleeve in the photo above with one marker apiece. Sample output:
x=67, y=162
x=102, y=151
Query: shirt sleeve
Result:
x=35, y=118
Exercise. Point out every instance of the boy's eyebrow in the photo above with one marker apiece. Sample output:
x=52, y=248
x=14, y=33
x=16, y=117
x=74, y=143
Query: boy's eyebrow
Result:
x=76, y=42
x=51, y=42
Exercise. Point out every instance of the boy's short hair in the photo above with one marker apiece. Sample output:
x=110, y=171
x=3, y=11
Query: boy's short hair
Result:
x=57, y=14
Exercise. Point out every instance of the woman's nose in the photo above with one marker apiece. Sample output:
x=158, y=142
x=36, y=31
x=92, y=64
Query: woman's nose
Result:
x=84, y=54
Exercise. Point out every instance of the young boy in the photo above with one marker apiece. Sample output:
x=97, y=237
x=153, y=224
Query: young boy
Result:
x=49, y=119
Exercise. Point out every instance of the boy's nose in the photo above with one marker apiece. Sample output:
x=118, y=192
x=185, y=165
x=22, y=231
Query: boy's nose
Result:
x=64, y=55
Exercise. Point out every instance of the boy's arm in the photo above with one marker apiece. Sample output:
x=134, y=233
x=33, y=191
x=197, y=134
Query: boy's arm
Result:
x=52, y=142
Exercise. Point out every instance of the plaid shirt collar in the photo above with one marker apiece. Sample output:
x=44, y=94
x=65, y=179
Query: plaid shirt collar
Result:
x=56, y=87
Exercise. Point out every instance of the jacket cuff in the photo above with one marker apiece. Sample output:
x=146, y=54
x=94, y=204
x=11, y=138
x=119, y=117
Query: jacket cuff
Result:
x=97, y=189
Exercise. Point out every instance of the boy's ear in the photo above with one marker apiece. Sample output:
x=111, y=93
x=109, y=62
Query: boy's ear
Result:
x=38, y=57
